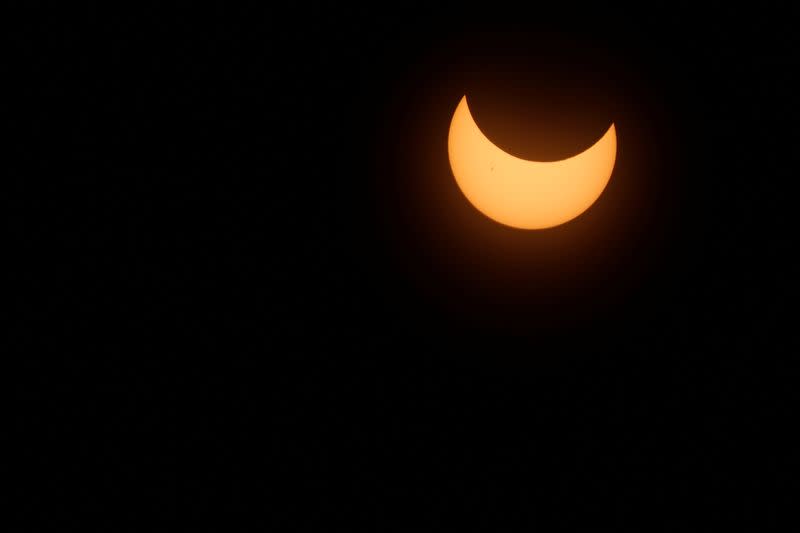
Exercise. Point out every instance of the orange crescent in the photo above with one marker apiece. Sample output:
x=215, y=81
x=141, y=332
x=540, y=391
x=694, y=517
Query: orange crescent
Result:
x=526, y=194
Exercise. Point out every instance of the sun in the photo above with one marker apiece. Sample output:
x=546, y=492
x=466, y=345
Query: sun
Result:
x=526, y=194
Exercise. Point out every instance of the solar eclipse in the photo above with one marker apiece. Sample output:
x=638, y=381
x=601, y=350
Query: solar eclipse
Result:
x=526, y=194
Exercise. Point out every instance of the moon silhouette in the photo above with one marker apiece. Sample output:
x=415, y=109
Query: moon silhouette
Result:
x=526, y=194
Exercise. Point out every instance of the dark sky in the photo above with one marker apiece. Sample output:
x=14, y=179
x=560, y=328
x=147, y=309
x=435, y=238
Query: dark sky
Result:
x=250, y=286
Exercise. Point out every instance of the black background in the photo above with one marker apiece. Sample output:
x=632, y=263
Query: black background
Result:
x=250, y=288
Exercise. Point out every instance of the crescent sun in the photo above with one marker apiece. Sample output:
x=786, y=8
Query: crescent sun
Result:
x=526, y=194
